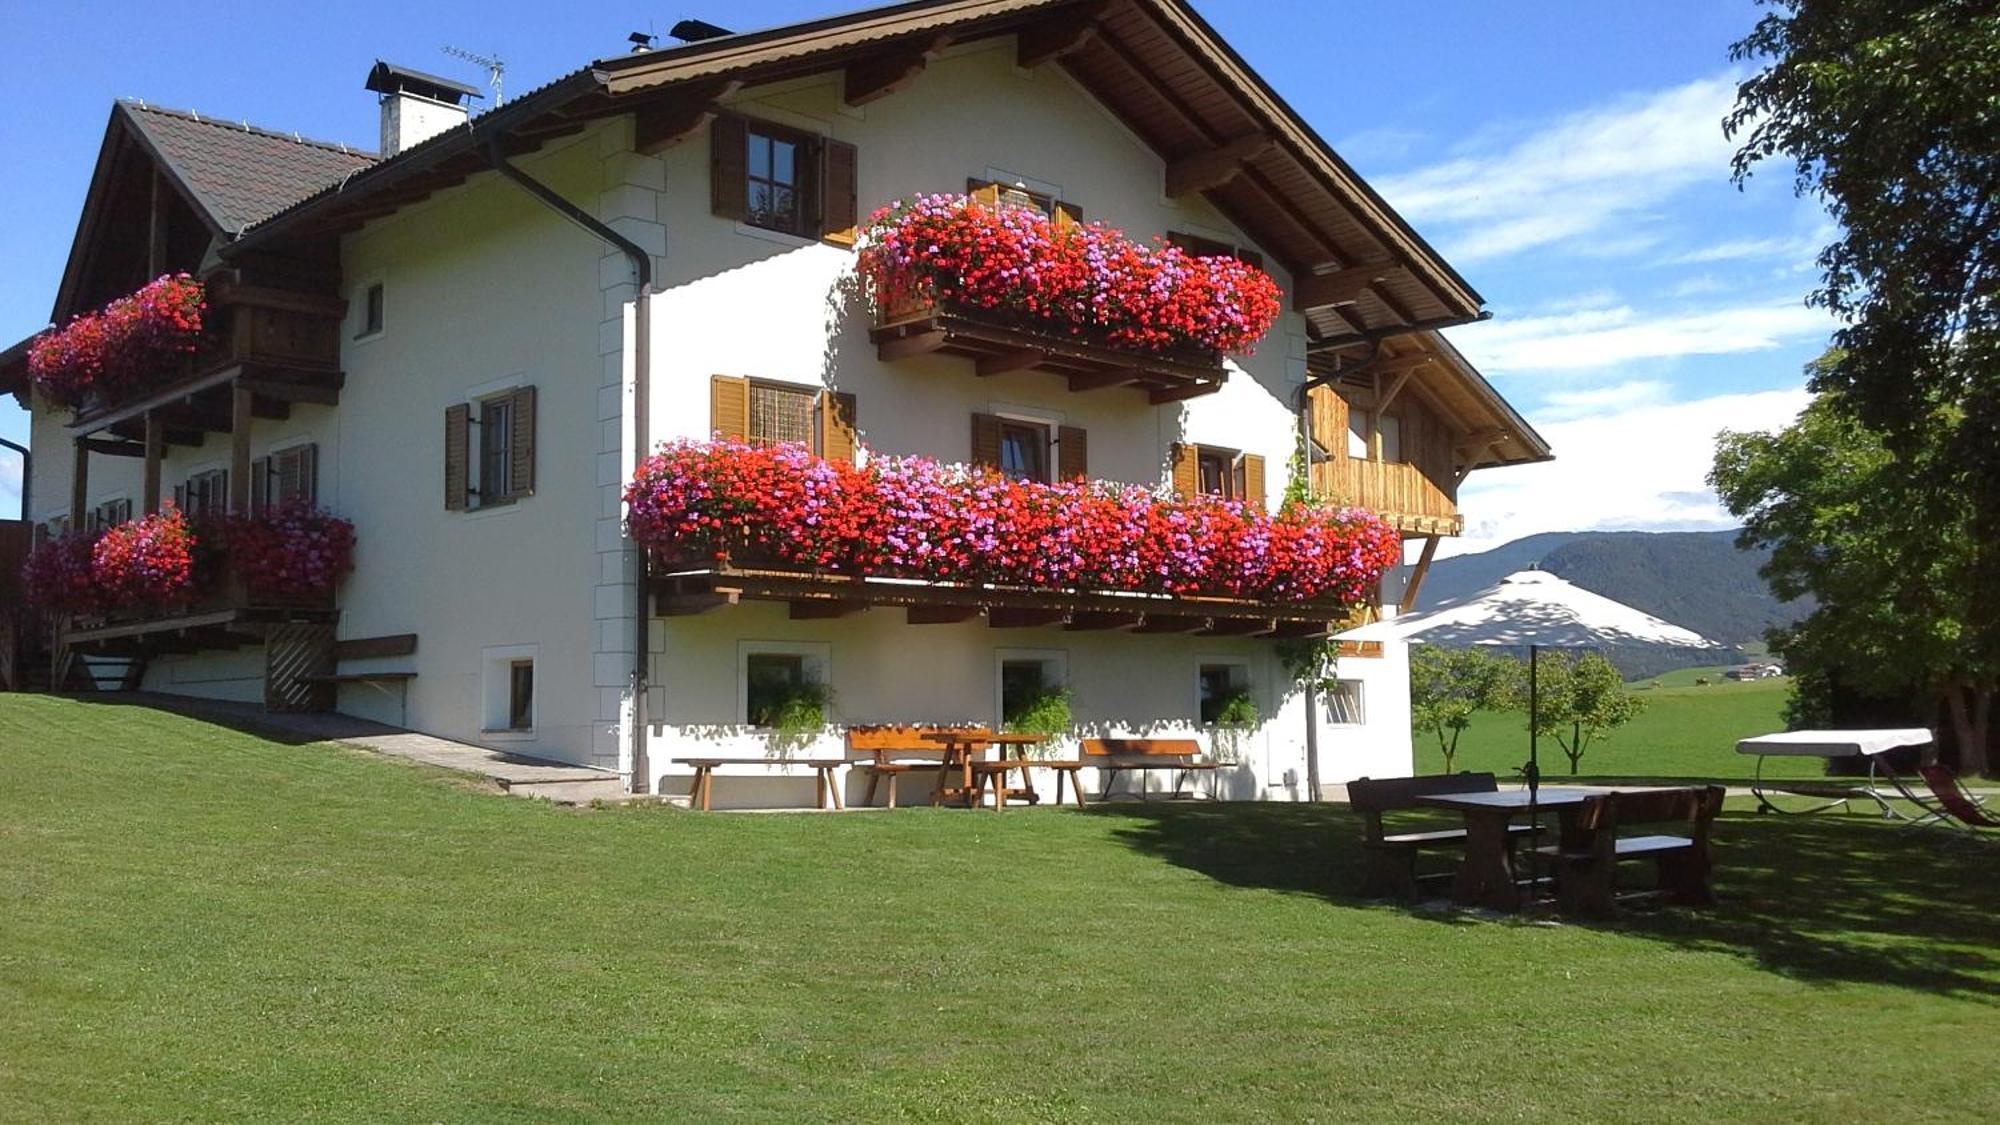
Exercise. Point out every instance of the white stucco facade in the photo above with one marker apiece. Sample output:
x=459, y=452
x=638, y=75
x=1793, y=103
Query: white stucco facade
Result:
x=485, y=288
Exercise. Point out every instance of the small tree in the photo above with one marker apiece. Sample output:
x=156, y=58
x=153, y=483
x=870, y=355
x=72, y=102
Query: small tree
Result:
x=1579, y=700
x=1447, y=686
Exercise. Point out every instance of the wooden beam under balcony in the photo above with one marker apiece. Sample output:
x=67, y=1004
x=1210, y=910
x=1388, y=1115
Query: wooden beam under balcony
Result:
x=302, y=382
x=1160, y=396
x=1005, y=617
x=940, y=614
x=822, y=609
x=1092, y=620
x=1212, y=168
x=323, y=392
x=1165, y=623
x=690, y=604
x=903, y=347
x=115, y=448
x=996, y=345
x=1109, y=377
x=1003, y=363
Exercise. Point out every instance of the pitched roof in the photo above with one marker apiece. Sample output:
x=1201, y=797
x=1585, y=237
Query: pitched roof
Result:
x=236, y=172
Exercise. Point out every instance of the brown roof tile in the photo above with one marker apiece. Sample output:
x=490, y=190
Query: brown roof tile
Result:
x=239, y=173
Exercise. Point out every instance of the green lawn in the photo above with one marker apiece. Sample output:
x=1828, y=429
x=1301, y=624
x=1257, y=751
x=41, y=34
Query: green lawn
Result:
x=1686, y=731
x=198, y=924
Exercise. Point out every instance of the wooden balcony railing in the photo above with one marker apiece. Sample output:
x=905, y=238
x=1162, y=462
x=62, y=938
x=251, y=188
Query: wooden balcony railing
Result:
x=998, y=344
x=1399, y=493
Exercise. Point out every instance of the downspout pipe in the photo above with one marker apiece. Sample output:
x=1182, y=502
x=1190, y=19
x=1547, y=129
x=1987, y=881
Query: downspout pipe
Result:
x=642, y=340
x=1311, y=685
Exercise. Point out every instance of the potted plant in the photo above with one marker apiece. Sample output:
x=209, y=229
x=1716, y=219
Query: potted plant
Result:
x=1235, y=716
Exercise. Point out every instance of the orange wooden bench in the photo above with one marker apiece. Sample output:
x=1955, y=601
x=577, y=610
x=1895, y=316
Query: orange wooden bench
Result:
x=1116, y=755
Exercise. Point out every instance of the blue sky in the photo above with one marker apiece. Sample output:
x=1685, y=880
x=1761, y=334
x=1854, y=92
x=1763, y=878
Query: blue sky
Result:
x=1566, y=156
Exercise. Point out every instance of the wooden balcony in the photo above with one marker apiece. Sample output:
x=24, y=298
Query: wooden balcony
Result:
x=698, y=588
x=1410, y=501
x=226, y=616
x=281, y=346
x=997, y=345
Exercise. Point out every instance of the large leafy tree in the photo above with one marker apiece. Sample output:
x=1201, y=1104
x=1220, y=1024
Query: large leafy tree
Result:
x=1448, y=686
x=1887, y=112
x=1885, y=553
x=1578, y=700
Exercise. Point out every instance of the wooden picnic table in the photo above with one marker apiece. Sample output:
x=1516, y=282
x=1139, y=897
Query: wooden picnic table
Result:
x=1486, y=875
x=959, y=749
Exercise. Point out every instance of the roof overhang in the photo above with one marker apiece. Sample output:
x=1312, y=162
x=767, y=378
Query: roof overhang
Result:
x=1488, y=431
x=1360, y=271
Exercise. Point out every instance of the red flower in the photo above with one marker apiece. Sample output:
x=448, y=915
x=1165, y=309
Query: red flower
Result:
x=133, y=342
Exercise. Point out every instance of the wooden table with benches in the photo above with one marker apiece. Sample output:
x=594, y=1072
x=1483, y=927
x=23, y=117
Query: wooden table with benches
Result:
x=976, y=775
x=1392, y=855
x=1486, y=876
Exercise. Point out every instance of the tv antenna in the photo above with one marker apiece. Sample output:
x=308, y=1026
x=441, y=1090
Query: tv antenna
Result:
x=496, y=67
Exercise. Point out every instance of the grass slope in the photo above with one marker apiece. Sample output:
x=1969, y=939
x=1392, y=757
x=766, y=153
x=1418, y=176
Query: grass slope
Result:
x=198, y=924
x=1685, y=731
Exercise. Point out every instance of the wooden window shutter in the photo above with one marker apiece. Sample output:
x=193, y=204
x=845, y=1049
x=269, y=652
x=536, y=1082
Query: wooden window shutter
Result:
x=308, y=468
x=457, y=459
x=1068, y=216
x=728, y=171
x=987, y=195
x=729, y=407
x=836, y=426
x=521, y=444
x=180, y=498
x=1072, y=452
x=986, y=441
x=1186, y=468
x=1253, y=479
x=839, y=192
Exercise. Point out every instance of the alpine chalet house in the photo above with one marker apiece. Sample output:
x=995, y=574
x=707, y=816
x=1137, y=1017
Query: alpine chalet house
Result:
x=792, y=283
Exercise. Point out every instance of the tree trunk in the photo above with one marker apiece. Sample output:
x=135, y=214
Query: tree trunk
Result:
x=1971, y=715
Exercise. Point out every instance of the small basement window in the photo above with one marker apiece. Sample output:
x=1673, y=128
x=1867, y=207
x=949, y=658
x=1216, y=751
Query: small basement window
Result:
x=1032, y=687
x=507, y=690
x=784, y=685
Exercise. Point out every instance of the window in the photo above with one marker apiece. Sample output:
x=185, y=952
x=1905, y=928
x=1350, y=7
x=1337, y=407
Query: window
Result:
x=780, y=414
x=777, y=183
x=1220, y=472
x=775, y=177
x=371, y=311
x=1390, y=429
x=521, y=695
x=499, y=467
x=1202, y=247
x=782, y=684
x=1024, y=450
x=289, y=476
x=771, y=681
x=1219, y=686
x=496, y=449
x=1344, y=702
x=111, y=513
x=999, y=193
x=1033, y=689
x=507, y=692
x=204, y=493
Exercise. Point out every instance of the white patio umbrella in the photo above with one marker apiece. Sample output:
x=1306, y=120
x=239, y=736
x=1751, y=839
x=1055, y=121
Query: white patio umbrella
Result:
x=1532, y=609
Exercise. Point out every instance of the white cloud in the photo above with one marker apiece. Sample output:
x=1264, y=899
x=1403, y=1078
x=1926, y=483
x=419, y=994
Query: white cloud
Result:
x=1565, y=405
x=1753, y=249
x=1598, y=339
x=1633, y=465
x=1583, y=178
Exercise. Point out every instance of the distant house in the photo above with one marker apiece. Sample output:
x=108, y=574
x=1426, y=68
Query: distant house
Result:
x=444, y=343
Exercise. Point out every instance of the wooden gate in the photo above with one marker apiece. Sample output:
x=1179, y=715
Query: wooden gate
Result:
x=297, y=659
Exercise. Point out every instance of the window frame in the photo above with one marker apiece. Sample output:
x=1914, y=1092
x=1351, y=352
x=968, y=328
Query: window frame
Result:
x=1055, y=673
x=1235, y=482
x=520, y=699
x=212, y=486
x=815, y=662
x=1238, y=672
x=1041, y=434
x=496, y=716
x=266, y=476
x=815, y=440
x=373, y=309
x=805, y=186
x=492, y=448
x=1356, y=707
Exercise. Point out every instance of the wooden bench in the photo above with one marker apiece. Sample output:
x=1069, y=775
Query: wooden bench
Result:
x=1116, y=755
x=1392, y=856
x=880, y=742
x=704, y=779
x=1587, y=858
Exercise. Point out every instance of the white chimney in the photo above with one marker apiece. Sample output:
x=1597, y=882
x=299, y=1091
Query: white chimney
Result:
x=416, y=106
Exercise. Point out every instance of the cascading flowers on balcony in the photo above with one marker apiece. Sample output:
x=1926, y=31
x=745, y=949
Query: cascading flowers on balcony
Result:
x=910, y=517
x=122, y=347
x=1084, y=280
x=167, y=558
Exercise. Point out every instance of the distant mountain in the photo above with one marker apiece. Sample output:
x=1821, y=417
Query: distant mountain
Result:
x=1697, y=579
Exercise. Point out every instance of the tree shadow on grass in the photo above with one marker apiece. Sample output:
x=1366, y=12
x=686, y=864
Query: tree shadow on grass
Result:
x=1821, y=899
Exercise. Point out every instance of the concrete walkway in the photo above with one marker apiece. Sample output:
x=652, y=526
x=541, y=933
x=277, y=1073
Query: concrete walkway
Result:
x=518, y=776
